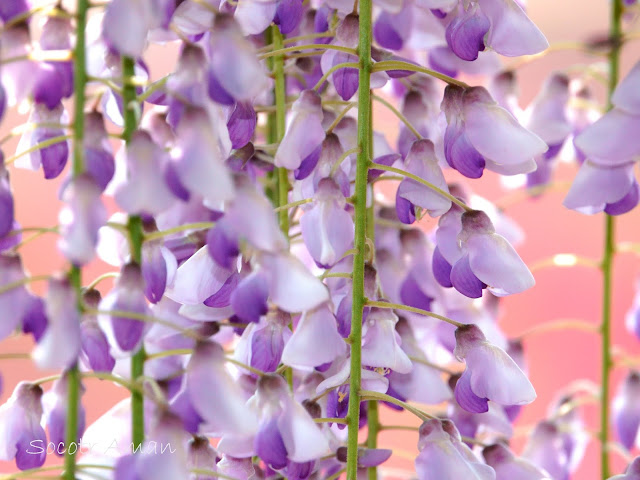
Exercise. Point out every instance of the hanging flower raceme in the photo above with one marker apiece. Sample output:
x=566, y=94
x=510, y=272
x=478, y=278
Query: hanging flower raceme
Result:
x=444, y=456
x=481, y=134
x=490, y=374
x=22, y=438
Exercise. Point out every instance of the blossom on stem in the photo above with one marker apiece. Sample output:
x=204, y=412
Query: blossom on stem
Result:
x=508, y=466
x=55, y=403
x=490, y=374
x=15, y=301
x=20, y=427
x=626, y=410
x=481, y=134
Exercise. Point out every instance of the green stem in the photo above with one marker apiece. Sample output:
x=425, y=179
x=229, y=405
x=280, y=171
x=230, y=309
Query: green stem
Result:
x=360, y=206
x=136, y=237
x=615, y=34
x=426, y=313
x=400, y=65
x=280, y=117
x=373, y=423
x=75, y=275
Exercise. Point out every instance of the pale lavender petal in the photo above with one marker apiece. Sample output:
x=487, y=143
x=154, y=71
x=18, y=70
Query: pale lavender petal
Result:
x=216, y=92
x=512, y=33
x=100, y=165
x=302, y=437
x=267, y=344
x=594, y=187
x=60, y=344
x=495, y=133
x=145, y=190
x=380, y=342
x=315, y=341
x=291, y=285
x=197, y=279
x=125, y=28
x=206, y=378
x=95, y=348
x=255, y=16
x=626, y=410
x=626, y=96
x=612, y=140
x=372, y=457
x=233, y=60
x=304, y=132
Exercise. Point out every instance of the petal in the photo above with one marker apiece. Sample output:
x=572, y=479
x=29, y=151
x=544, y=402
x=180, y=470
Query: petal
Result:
x=464, y=279
x=494, y=262
x=267, y=344
x=249, y=299
x=494, y=375
x=53, y=157
x=405, y=210
x=315, y=341
x=626, y=203
x=242, y=124
x=385, y=33
x=301, y=435
x=288, y=15
x=512, y=33
x=269, y=446
x=626, y=96
x=254, y=16
x=372, y=457
x=292, y=287
x=206, y=379
x=345, y=80
x=465, y=34
x=380, y=347
x=412, y=295
x=304, y=131
x=594, y=187
x=197, y=279
x=465, y=397
x=124, y=28
x=95, y=348
x=461, y=154
x=441, y=269
x=100, y=165
x=612, y=140
x=495, y=133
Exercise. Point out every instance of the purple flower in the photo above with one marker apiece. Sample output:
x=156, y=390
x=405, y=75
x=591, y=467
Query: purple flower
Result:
x=392, y=30
x=254, y=16
x=304, y=132
x=327, y=228
x=443, y=456
x=381, y=343
x=487, y=260
x=201, y=454
x=612, y=140
x=242, y=124
x=262, y=344
x=95, y=352
x=345, y=80
x=17, y=77
x=626, y=410
x=545, y=448
x=597, y=188
x=56, y=402
x=80, y=219
x=52, y=158
x=480, y=133
x=508, y=466
x=490, y=374
x=288, y=15
x=234, y=62
x=145, y=190
x=59, y=346
x=55, y=79
x=159, y=267
x=125, y=333
x=315, y=341
x=422, y=162
x=12, y=8
x=207, y=377
x=512, y=33
x=98, y=155
x=199, y=155
x=21, y=436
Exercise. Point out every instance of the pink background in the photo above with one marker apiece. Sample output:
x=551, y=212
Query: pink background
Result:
x=555, y=359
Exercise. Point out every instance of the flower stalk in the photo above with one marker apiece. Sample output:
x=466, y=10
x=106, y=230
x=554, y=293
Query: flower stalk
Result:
x=360, y=205
x=615, y=34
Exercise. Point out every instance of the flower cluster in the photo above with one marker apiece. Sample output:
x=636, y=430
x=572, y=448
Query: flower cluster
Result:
x=266, y=296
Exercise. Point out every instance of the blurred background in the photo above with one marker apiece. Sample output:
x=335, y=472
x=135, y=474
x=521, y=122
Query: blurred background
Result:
x=555, y=358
